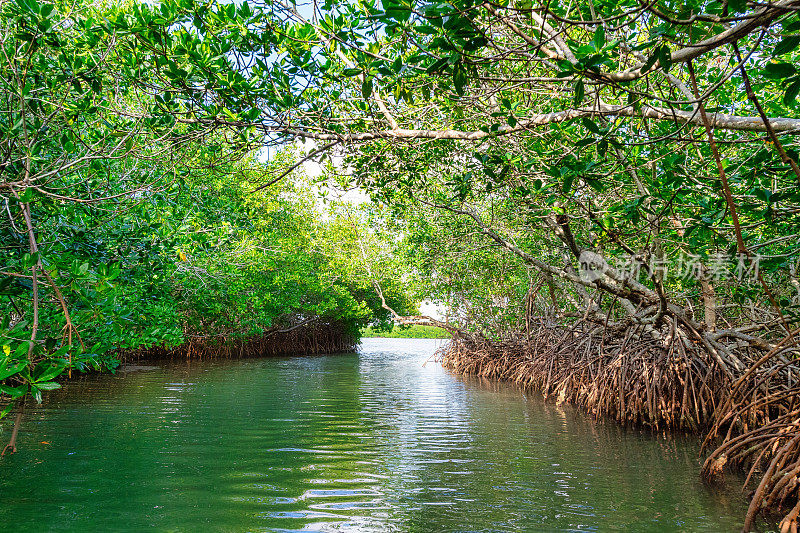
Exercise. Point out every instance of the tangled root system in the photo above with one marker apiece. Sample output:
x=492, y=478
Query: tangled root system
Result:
x=739, y=391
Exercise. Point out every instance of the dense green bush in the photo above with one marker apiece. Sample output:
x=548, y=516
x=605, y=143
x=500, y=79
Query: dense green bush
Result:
x=416, y=331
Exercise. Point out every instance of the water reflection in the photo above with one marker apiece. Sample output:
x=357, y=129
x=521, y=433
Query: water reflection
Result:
x=369, y=442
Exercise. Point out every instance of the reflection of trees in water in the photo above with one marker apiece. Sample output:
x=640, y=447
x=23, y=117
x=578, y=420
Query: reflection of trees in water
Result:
x=374, y=440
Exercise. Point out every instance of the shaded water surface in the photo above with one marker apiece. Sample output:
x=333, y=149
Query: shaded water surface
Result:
x=355, y=442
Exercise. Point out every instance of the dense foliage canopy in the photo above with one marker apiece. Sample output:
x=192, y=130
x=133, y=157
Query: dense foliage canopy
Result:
x=125, y=229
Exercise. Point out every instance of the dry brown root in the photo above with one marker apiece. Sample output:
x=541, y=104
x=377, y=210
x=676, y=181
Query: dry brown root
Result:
x=632, y=377
x=757, y=430
x=745, y=394
x=307, y=339
x=789, y=522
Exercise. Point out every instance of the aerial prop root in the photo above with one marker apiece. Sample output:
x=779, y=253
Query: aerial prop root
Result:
x=631, y=377
x=756, y=429
x=304, y=338
x=740, y=390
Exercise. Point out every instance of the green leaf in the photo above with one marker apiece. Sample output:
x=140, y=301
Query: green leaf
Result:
x=366, y=88
x=8, y=371
x=48, y=385
x=599, y=37
x=400, y=14
x=26, y=196
x=589, y=125
x=438, y=64
x=580, y=91
x=567, y=185
x=459, y=78
x=426, y=30
x=779, y=70
x=664, y=58
x=21, y=351
x=46, y=10
x=50, y=373
x=352, y=71
x=66, y=143
x=14, y=392
x=6, y=410
x=594, y=183
x=786, y=45
x=29, y=5
x=791, y=93
x=650, y=61
x=5, y=289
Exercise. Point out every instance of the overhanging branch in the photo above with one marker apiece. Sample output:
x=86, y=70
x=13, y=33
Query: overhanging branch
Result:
x=718, y=121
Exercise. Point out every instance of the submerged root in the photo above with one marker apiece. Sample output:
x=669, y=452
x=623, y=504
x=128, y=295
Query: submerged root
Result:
x=742, y=394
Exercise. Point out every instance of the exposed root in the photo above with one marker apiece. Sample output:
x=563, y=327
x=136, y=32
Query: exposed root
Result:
x=633, y=378
x=741, y=390
x=307, y=338
x=757, y=427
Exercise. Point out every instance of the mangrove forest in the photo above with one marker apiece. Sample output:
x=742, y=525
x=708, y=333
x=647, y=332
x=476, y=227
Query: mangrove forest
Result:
x=596, y=200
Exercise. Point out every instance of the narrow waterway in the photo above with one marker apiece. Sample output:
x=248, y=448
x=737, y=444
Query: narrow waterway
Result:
x=373, y=441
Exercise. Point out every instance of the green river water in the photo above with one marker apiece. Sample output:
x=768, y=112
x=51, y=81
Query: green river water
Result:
x=373, y=441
